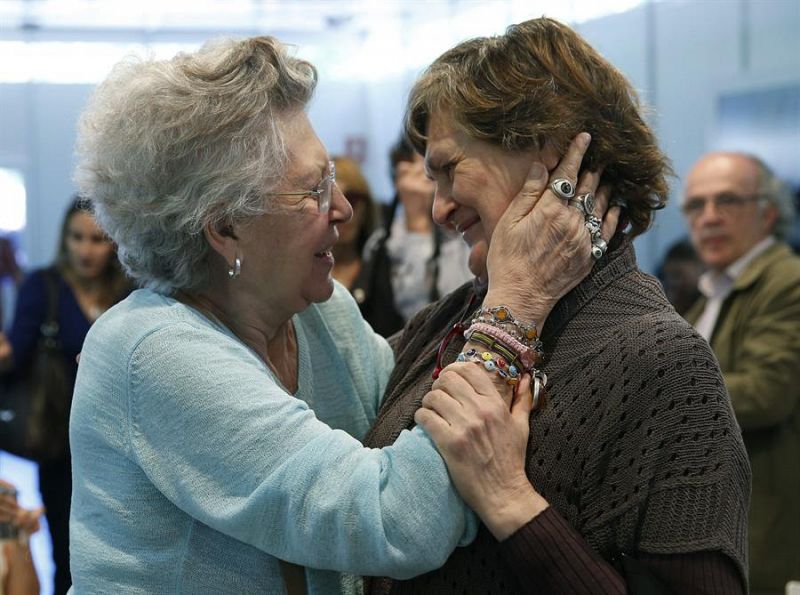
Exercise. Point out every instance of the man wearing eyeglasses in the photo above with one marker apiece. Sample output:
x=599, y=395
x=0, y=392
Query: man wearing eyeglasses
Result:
x=738, y=212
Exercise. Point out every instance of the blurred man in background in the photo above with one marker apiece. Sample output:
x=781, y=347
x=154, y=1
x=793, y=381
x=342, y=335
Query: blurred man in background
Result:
x=738, y=213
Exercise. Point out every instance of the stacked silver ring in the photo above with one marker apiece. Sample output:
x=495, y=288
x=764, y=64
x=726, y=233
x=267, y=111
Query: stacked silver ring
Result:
x=584, y=203
x=599, y=245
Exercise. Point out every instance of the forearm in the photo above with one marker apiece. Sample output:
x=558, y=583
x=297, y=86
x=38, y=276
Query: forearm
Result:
x=547, y=555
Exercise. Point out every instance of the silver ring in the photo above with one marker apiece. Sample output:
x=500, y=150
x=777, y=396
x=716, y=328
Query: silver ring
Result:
x=599, y=247
x=584, y=203
x=563, y=188
x=593, y=224
x=600, y=243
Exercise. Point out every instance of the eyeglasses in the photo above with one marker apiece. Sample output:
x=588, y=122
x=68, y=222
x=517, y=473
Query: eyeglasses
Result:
x=725, y=204
x=321, y=192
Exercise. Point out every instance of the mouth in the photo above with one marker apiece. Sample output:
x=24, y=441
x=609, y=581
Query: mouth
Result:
x=465, y=225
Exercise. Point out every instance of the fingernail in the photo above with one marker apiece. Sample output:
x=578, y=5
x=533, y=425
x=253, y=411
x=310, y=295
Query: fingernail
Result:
x=584, y=138
x=538, y=171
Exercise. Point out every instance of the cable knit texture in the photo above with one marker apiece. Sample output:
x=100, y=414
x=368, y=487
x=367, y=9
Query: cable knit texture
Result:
x=638, y=437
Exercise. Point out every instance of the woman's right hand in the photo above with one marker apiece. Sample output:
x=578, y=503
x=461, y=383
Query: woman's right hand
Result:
x=484, y=443
x=541, y=248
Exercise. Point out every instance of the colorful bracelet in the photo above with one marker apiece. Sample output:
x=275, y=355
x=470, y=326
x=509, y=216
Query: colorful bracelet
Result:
x=506, y=371
x=502, y=318
x=529, y=356
x=495, y=346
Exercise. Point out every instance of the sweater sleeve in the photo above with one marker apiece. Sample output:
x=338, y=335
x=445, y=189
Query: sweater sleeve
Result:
x=255, y=463
x=548, y=556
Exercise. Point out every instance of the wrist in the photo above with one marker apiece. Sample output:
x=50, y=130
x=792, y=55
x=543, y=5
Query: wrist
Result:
x=526, y=308
x=517, y=508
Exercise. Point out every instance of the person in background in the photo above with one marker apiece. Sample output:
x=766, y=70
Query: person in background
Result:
x=89, y=280
x=17, y=524
x=427, y=261
x=353, y=266
x=9, y=269
x=635, y=466
x=738, y=213
x=679, y=273
x=408, y=262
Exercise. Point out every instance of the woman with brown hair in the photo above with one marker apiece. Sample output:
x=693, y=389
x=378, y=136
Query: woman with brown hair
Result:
x=84, y=281
x=635, y=467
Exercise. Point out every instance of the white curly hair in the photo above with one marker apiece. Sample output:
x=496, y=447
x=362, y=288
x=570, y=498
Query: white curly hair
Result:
x=168, y=146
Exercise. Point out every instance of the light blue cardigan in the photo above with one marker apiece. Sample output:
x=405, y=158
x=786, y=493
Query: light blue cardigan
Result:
x=194, y=469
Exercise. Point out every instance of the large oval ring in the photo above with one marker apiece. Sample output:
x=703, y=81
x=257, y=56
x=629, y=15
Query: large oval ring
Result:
x=563, y=188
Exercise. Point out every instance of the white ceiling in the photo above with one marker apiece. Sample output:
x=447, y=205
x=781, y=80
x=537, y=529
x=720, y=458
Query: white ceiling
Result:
x=77, y=41
x=271, y=16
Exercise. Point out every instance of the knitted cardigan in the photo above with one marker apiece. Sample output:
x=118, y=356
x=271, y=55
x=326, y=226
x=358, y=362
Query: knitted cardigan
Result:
x=638, y=449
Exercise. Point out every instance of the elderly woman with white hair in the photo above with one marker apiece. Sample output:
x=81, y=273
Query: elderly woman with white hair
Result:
x=217, y=413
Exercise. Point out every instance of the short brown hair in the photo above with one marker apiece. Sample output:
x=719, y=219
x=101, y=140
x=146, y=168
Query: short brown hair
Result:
x=541, y=83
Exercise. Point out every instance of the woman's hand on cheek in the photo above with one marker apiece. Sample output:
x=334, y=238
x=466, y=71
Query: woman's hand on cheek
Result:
x=483, y=442
x=541, y=248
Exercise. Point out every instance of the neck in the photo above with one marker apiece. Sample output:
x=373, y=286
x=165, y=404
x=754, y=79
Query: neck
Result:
x=263, y=331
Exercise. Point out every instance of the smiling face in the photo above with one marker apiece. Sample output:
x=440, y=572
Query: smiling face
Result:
x=286, y=256
x=88, y=249
x=722, y=236
x=475, y=183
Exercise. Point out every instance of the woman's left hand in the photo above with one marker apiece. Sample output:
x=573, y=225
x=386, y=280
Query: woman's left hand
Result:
x=484, y=444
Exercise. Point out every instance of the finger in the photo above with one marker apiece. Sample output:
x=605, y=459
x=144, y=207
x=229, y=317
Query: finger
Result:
x=611, y=218
x=444, y=405
x=532, y=190
x=602, y=196
x=436, y=427
x=570, y=164
x=460, y=375
x=523, y=401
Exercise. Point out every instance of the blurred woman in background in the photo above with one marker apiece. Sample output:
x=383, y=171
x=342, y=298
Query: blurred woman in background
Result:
x=87, y=280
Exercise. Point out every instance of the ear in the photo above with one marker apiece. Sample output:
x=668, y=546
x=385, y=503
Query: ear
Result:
x=769, y=217
x=222, y=240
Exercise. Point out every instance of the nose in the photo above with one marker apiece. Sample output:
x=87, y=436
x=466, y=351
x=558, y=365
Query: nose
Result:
x=443, y=205
x=710, y=212
x=341, y=211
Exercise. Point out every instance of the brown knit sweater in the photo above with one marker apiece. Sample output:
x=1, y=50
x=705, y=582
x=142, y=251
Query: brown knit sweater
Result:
x=637, y=450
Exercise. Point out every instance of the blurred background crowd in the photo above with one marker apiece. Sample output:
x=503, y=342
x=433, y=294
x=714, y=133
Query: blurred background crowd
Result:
x=721, y=75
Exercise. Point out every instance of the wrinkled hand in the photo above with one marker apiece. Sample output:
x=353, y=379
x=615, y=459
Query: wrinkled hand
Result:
x=541, y=247
x=415, y=192
x=483, y=442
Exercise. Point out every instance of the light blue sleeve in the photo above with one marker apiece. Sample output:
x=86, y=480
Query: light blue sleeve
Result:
x=226, y=445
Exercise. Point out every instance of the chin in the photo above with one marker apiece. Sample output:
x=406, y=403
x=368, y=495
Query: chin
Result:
x=320, y=292
x=477, y=260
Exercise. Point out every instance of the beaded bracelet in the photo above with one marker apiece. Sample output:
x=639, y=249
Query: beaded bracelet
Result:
x=506, y=371
x=502, y=318
x=529, y=356
x=494, y=345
